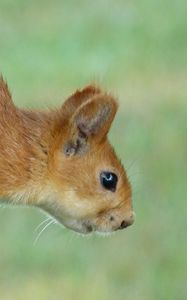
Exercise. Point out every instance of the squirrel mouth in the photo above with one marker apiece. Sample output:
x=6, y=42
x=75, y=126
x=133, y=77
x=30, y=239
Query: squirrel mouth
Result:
x=81, y=227
x=88, y=227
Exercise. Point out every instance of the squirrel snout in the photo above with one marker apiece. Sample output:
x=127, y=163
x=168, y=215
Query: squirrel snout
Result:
x=128, y=220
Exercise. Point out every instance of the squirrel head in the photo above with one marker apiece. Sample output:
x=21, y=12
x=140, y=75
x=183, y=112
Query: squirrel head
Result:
x=90, y=188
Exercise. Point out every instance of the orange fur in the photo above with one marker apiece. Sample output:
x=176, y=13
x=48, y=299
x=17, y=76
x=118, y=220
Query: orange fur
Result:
x=52, y=159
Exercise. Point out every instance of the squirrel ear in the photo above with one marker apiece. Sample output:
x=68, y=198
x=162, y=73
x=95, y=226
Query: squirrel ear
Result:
x=79, y=97
x=92, y=120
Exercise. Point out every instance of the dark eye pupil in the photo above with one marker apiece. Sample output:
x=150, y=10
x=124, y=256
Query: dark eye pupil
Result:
x=109, y=180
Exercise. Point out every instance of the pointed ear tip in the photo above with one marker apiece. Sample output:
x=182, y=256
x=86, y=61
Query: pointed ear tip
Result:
x=91, y=88
x=103, y=99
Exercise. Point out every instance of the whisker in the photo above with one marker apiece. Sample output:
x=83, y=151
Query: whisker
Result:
x=131, y=164
x=42, y=223
x=45, y=227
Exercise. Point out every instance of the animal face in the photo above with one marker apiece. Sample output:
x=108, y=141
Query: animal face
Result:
x=89, y=204
x=91, y=191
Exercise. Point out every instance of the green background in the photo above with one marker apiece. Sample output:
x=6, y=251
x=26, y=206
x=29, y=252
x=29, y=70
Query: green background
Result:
x=138, y=51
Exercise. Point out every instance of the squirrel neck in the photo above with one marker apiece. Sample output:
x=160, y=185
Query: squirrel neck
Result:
x=25, y=138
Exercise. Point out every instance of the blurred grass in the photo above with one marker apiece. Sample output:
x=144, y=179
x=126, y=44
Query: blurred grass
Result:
x=136, y=49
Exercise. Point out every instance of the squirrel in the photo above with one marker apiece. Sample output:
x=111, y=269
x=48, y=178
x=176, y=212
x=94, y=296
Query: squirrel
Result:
x=61, y=161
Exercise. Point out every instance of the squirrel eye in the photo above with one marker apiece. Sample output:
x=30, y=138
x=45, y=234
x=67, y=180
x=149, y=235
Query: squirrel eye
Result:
x=109, y=180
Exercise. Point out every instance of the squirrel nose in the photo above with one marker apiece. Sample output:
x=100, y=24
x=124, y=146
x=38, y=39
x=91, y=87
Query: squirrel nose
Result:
x=127, y=222
x=124, y=224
